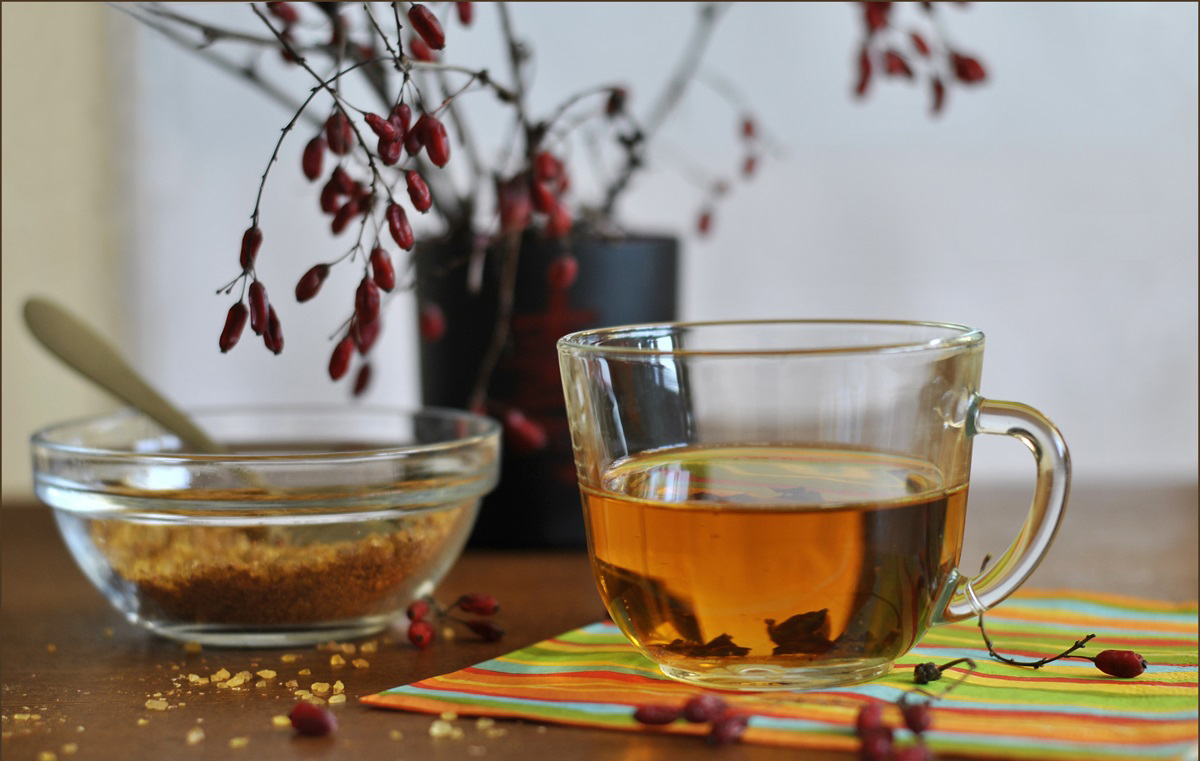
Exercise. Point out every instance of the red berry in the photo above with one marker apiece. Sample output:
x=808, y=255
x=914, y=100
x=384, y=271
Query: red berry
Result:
x=314, y=156
x=421, y=51
x=311, y=282
x=427, y=25
x=864, y=72
x=330, y=197
x=344, y=183
x=235, y=321
x=418, y=610
x=748, y=127
x=348, y=212
x=728, y=729
x=653, y=713
x=383, y=128
x=401, y=117
x=273, y=335
x=749, y=165
x=366, y=301
x=339, y=361
x=365, y=334
x=478, y=603
x=876, y=744
x=917, y=716
x=431, y=322
x=967, y=69
x=338, y=133
x=488, y=631
x=362, y=380
x=870, y=717
x=418, y=191
x=558, y=224
x=939, y=95
x=1125, y=664
x=523, y=435
x=919, y=43
x=918, y=752
x=515, y=204
x=704, y=708
x=389, y=151
x=704, y=223
x=465, y=12
x=311, y=719
x=562, y=272
x=437, y=142
x=381, y=269
x=420, y=633
x=414, y=141
x=258, y=307
x=876, y=15
x=541, y=197
x=284, y=12
x=546, y=166
x=896, y=65
x=398, y=225
x=251, y=241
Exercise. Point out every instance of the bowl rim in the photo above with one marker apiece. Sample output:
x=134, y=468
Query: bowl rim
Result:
x=43, y=437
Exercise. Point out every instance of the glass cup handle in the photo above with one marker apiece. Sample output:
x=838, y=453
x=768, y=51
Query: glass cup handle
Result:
x=972, y=596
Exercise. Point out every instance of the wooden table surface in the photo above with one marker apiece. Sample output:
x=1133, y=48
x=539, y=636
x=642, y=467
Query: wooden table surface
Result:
x=71, y=660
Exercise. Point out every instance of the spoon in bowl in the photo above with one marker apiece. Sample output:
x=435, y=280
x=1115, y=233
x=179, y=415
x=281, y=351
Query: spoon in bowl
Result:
x=75, y=342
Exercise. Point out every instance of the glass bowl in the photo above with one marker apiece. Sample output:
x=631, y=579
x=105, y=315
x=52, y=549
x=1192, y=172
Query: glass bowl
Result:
x=320, y=523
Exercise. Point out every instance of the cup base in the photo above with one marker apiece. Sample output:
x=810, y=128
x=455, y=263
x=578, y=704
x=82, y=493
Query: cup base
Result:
x=768, y=677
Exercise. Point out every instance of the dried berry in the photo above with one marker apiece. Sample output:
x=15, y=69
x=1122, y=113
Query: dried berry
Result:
x=381, y=269
x=967, y=69
x=704, y=708
x=546, y=166
x=313, y=158
x=917, y=716
x=251, y=241
x=749, y=165
x=728, y=729
x=344, y=183
x=330, y=197
x=924, y=673
x=312, y=720
x=541, y=197
x=427, y=25
x=656, y=714
x=383, y=128
x=258, y=307
x=876, y=744
x=919, y=43
x=1125, y=664
x=235, y=321
x=401, y=117
x=418, y=610
x=418, y=191
x=421, y=633
x=414, y=141
x=876, y=15
x=389, y=151
x=562, y=272
x=284, y=12
x=362, y=380
x=366, y=301
x=939, y=96
x=749, y=129
x=431, y=322
x=466, y=12
x=311, y=282
x=488, y=631
x=338, y=133
x=870, y=717
x=704, y=223
x=273, y=335
x=437, y=142
x=478, y=603
x=398, y=225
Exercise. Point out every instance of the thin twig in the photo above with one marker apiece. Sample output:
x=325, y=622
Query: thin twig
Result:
x=504, y=312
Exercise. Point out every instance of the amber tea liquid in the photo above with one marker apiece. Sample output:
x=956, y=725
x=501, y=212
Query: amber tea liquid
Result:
x=741, y=561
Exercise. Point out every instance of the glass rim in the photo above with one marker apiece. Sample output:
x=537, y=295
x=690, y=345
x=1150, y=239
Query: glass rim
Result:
x=592, y=341
x=488, y=429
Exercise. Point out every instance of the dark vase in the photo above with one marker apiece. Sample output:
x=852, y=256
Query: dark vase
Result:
x=620, y=281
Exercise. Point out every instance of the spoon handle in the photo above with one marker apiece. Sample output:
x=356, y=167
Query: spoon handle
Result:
x=75, y=343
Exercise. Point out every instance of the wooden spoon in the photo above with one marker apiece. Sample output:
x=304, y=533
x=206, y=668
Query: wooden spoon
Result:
x=82, y=348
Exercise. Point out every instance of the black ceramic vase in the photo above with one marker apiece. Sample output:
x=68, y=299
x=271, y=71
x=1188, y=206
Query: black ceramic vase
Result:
x=620, y=281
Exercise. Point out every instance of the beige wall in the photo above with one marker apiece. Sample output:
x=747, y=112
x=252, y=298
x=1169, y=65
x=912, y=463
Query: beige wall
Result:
x=61, y=226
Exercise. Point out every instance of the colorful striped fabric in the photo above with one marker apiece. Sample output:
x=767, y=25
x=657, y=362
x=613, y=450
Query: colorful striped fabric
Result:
x=1066, y=710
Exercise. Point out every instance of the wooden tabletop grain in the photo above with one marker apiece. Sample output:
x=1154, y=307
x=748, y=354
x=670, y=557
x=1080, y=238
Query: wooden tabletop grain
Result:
x=70, y=660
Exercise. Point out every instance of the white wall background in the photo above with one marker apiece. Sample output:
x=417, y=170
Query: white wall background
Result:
x=1055, y=207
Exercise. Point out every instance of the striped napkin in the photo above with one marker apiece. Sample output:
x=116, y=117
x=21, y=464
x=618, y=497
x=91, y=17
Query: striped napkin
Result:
x=1066, y=710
